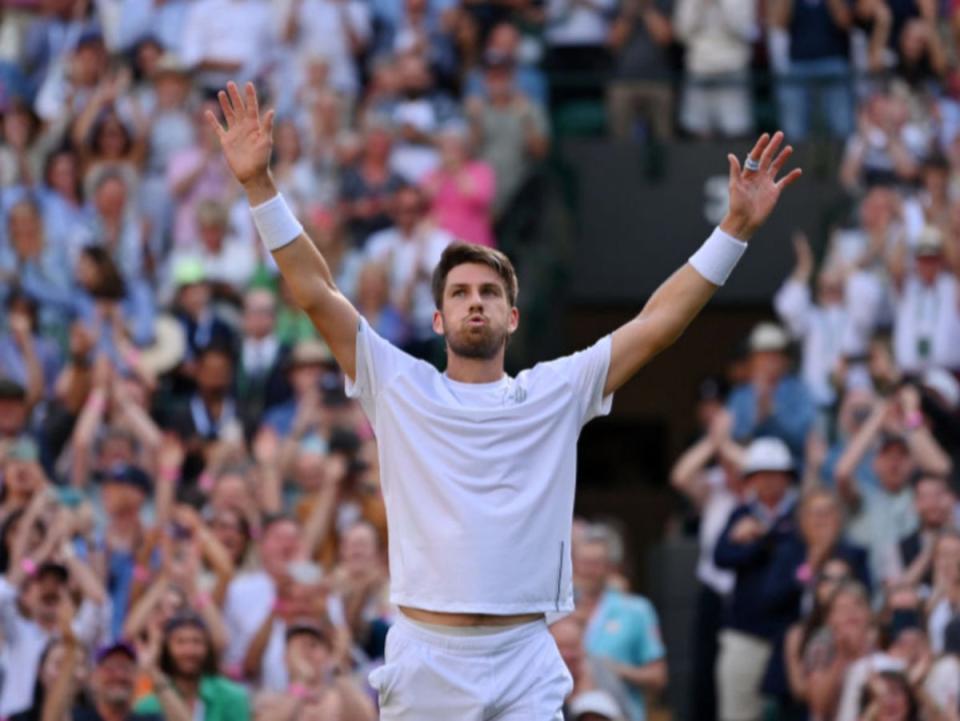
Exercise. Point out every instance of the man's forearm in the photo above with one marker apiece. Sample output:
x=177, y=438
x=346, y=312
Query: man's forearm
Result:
x=650, y=676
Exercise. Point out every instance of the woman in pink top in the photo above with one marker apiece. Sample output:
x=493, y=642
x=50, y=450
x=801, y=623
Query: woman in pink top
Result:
x=461, y=190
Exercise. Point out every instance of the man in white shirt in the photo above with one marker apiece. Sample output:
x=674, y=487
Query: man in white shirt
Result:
x=228, y=38
x=411, y=249
x=478, y=468
x=926, y=331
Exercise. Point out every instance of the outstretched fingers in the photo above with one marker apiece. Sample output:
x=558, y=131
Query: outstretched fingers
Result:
x=734, y=166
x=253, y=107
x=757, y=152
x=228, y=114
x=236, y=101
x=770, y=150
x=789, y=179
x=214, y=123
x=268, y=122
x=777, y=165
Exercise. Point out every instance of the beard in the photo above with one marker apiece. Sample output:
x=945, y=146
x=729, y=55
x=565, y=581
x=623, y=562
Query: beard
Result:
x=478, y=343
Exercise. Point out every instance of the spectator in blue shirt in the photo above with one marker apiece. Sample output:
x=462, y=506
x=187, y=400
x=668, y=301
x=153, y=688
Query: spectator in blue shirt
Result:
x=773, y=402
x=818, y=68
x=623, y=628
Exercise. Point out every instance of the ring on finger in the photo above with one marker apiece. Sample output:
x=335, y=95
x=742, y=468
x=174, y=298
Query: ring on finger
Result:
x=751, y=164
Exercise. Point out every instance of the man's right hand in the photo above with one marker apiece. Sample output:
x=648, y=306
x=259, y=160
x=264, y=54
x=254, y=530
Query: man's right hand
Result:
x=246, y=141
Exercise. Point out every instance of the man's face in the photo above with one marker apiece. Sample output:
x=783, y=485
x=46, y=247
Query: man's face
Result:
x=892, y=466
x=43, y=598
x=258, y=314
x=188, y=649
x=114, y=680
x=121, y=499
x=308, y=649
x=767, y=366
x=476, y=318
x=929, y=268
x=22, y=477
x=358, y=549
x=591, y=565
x=279, y=546
x=13, y=417
x=934, y=503
x=770, y=486
x=214, y=375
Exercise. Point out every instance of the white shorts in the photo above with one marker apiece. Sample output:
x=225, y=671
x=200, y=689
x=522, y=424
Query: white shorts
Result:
x=511, y=675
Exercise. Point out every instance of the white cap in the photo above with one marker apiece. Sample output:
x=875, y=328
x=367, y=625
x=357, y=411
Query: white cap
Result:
x=768, y=337
x=943, y=383
x=596, y=702
x=767, y=454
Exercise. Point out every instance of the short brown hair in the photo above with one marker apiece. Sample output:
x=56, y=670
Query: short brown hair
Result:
x=461, y=253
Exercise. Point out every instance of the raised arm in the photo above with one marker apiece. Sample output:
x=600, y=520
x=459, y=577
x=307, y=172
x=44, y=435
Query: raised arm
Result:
x=247, y=142
x=753, y=195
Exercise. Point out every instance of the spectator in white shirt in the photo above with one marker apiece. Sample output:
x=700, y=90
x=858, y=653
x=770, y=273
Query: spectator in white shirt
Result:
x=336, y=30
x=228, y=40
x=31, y=617
x=718, y=38
x=927, y=306
x=819, y=325
x=251, y=596
x=412, y=249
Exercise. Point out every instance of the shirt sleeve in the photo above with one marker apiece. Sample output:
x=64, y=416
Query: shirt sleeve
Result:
x=649, y=643
x=586, y=371
x=378, y=362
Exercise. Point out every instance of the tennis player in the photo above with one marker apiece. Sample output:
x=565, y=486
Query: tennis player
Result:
x=477, y=467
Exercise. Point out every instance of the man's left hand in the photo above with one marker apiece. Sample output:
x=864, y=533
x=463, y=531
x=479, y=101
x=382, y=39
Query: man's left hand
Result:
x=754, y=193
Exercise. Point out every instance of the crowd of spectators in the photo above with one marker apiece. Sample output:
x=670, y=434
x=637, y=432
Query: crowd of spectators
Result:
x=827, y=471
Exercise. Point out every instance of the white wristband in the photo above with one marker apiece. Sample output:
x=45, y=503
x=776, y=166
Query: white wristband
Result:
x=718, y=256
x=276, y=223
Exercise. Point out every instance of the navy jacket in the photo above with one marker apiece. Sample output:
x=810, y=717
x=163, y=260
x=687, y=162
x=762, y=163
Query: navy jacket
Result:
x=751, y=562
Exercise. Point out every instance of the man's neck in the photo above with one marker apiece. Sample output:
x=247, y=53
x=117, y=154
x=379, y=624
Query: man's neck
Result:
x=111, y=712
x=474, y=370
x=189, y=687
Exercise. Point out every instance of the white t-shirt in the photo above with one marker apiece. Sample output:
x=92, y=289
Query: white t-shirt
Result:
x=249, y=600
x=943, y=682
x=402, y=255
x=478, y=478
x=928, y=316
x=721, y=502
x=22, y=643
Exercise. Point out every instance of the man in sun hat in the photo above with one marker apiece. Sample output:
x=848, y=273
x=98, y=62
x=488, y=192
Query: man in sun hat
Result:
x=746, y=546
x=774, y=401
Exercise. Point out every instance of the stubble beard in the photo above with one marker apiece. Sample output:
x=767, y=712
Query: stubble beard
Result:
x=478, y=344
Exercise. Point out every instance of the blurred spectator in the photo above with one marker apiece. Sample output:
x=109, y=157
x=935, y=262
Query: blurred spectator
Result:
x=367, y=186
x=70, y=84
x=338, y=32
x=261, y=380
x=717, y=37
x=640, y=97
x=944, y=588
x=927, y=300
x=505, y=40
x=773, y=402
x=753, y=533
x=708, y=474
x=187, y=658
x=375, y=304
x=309, y=361
x=14, y=409
x=817, y=69
x=943, y=682
x=228, y=40
x=623, y=629
x=592, y=678
x=411, y=249
x=511, y=133
x=31, y=614
x=211, y=412
x=19, y=161
x=821, y=324
x=461, y=190
x=882, y=515
x=796, y=565
x=576, y=37
x=315, y=684
x=934, y=502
